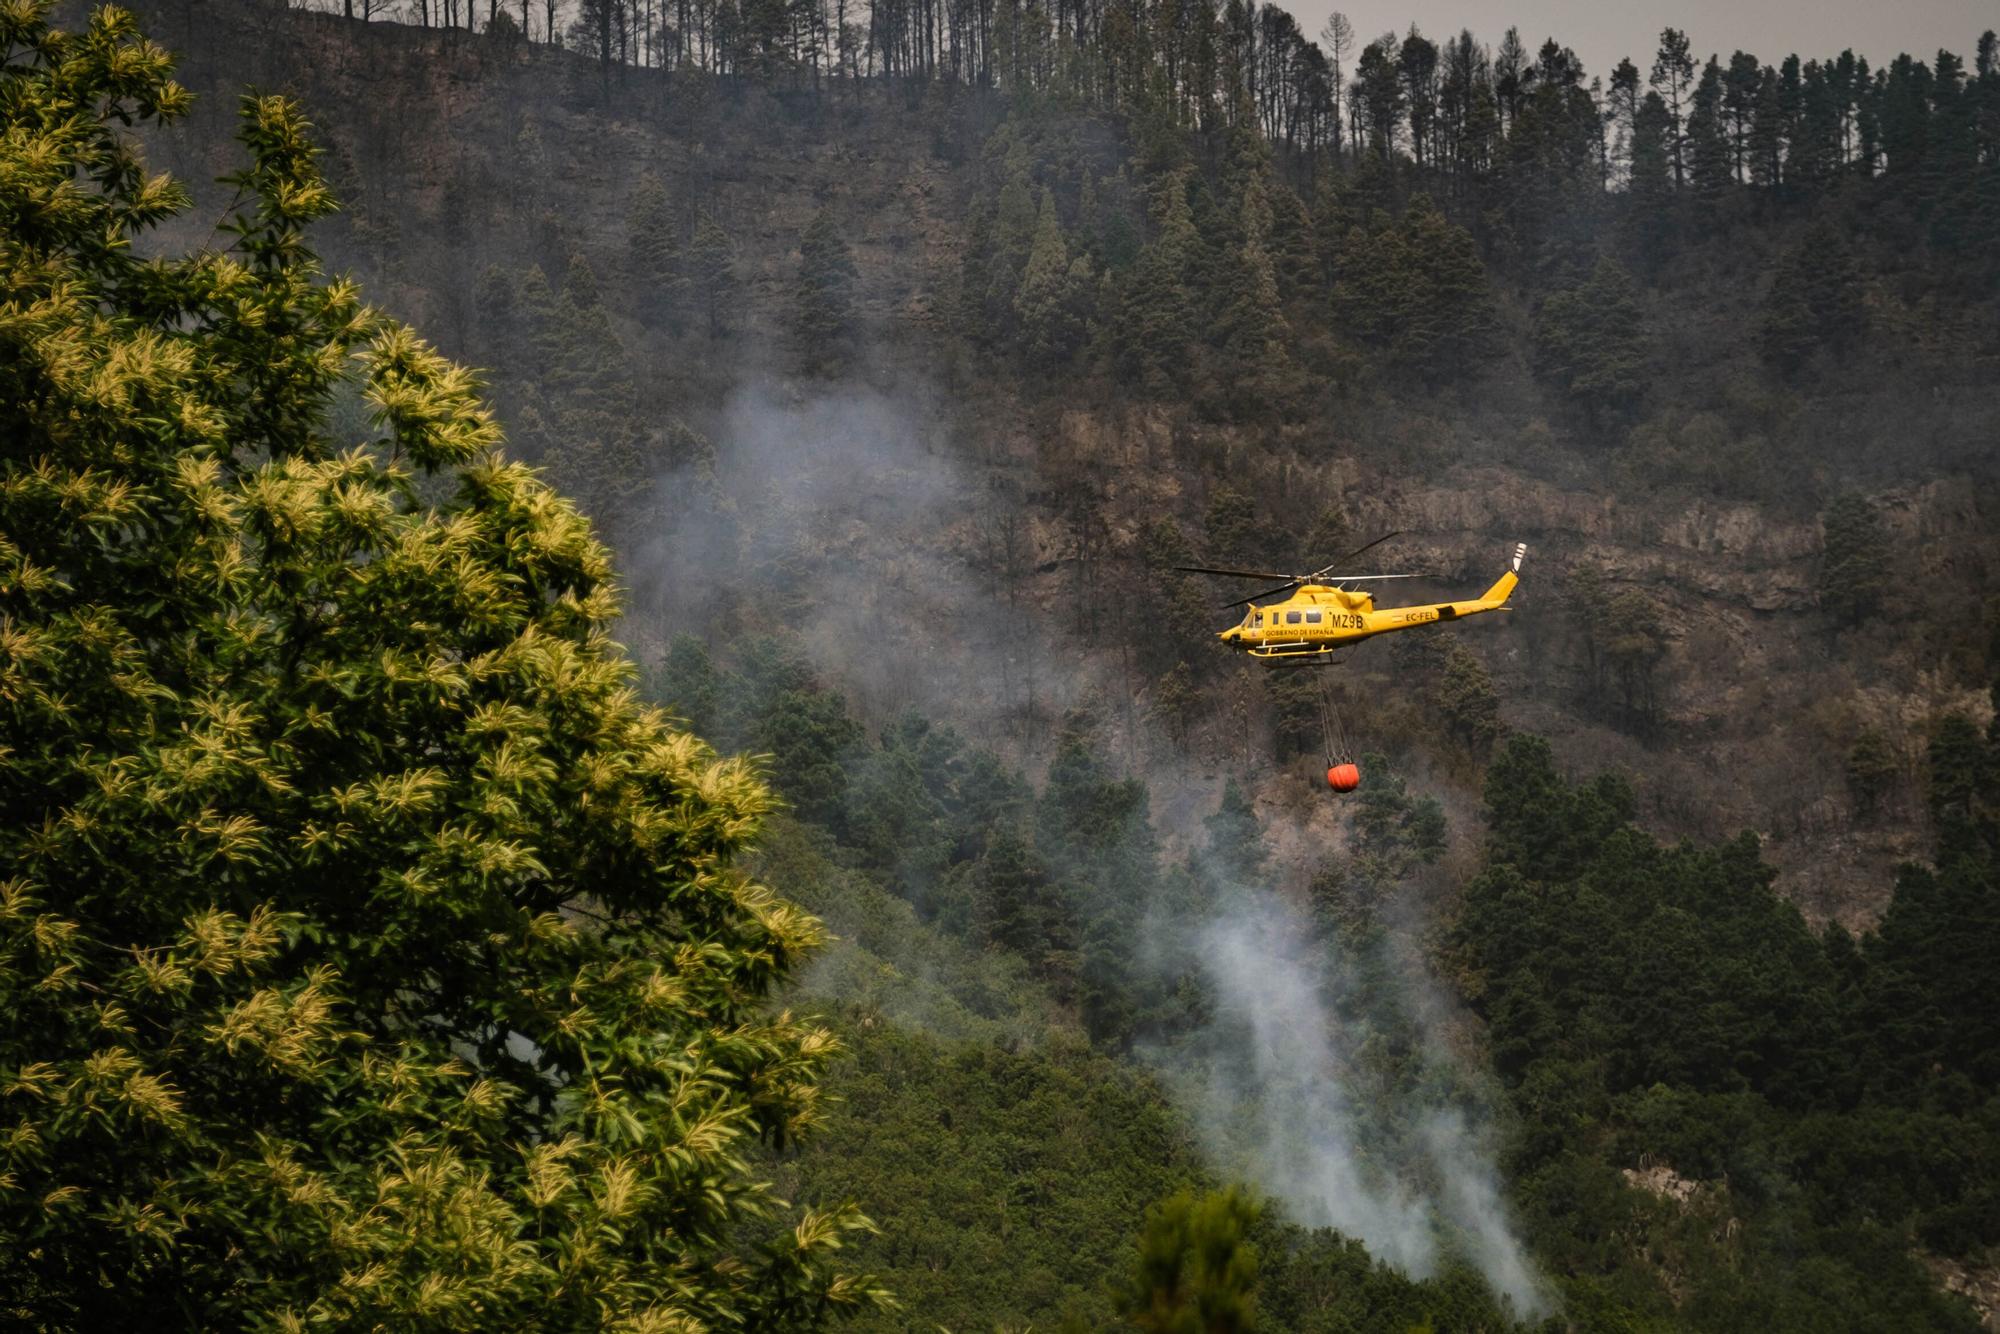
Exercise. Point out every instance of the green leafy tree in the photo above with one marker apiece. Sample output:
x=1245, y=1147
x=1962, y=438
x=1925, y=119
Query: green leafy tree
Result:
x=1196, y=1271
x=823, y=301
x=371, y=957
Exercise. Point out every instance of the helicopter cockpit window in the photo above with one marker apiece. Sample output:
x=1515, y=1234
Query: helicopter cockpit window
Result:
x=1291, y=618
x=1312, y=618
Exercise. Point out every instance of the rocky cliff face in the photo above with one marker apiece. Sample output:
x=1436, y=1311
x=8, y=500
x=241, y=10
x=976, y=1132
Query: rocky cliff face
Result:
x=457, y=153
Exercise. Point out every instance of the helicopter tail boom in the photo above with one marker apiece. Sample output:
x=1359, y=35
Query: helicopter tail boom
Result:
x=1493, y=599
x=1503, y=587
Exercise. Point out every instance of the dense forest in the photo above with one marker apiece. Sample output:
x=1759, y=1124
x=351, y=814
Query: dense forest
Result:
x=925, y=924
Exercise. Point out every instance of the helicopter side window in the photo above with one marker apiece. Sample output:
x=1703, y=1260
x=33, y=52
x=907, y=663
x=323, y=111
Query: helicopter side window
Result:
x=1291, y=618
x=1312, y=618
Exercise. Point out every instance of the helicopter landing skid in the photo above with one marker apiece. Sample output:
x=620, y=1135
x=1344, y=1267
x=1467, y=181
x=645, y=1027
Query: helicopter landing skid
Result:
x=1297, y=660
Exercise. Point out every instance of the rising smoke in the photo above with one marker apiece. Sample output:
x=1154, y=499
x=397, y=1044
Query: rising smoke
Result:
x=1287, y=1102
x=850, y=520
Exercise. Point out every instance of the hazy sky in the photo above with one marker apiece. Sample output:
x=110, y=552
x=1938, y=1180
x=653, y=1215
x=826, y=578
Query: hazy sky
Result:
x=1601, y=31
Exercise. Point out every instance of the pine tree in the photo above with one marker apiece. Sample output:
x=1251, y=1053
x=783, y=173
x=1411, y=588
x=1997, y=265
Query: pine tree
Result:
x=1294, y=250
x=1591, y=341
x=371, y=957
x=1673, y=73
x=1015, y=222
x=1768, y=133
x=1332, y=220
x=1329, y=536
x=1854, y=571
x=1816, y=301
x=1235, y=530
x=1467, y=702
x=1368, y=281
x=1632, y=640
x=1175, y=698
x=1161, y=312
x=1961, y=769
x=1708, y=156
x=1089, y=219
x=1445, y=325
x=975, y=279
x=1255, y=368
x=1651, y=186
x=711, y=272
x=596, y=451
x=823, y=308
x=1196, y=1271
x=1234, y=837
x=493, y=306
x=537, y=313
x=1046, y=304
x=1013, y=899
x=654, y=238
x=1871, y=768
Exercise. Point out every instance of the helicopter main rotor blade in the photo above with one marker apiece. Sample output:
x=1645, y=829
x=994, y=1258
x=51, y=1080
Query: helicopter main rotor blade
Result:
x=1281, y=588
x=1234, y=574
x=1367, y=546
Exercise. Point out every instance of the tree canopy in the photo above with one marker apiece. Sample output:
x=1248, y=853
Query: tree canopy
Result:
x=371, y=955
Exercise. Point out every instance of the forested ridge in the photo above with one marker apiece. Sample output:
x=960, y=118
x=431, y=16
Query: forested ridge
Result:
x=895, y=352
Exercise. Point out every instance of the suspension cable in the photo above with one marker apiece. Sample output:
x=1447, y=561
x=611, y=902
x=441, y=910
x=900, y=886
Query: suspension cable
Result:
x=1339, y=750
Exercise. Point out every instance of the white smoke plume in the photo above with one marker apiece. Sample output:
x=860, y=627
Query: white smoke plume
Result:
x=854, y=523
x=1279, y=1093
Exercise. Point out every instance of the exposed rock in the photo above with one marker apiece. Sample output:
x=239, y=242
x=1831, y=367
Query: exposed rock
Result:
x=1661, y=1180
x=1978, y=1284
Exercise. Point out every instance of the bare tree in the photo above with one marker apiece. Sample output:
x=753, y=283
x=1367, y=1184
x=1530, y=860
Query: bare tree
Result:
x=1338, y=37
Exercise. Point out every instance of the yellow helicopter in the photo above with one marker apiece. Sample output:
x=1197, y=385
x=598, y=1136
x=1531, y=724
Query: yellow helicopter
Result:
x=1323, y=614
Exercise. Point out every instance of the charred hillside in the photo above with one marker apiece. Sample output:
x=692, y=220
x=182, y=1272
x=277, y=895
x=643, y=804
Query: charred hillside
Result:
x=1145, y=330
